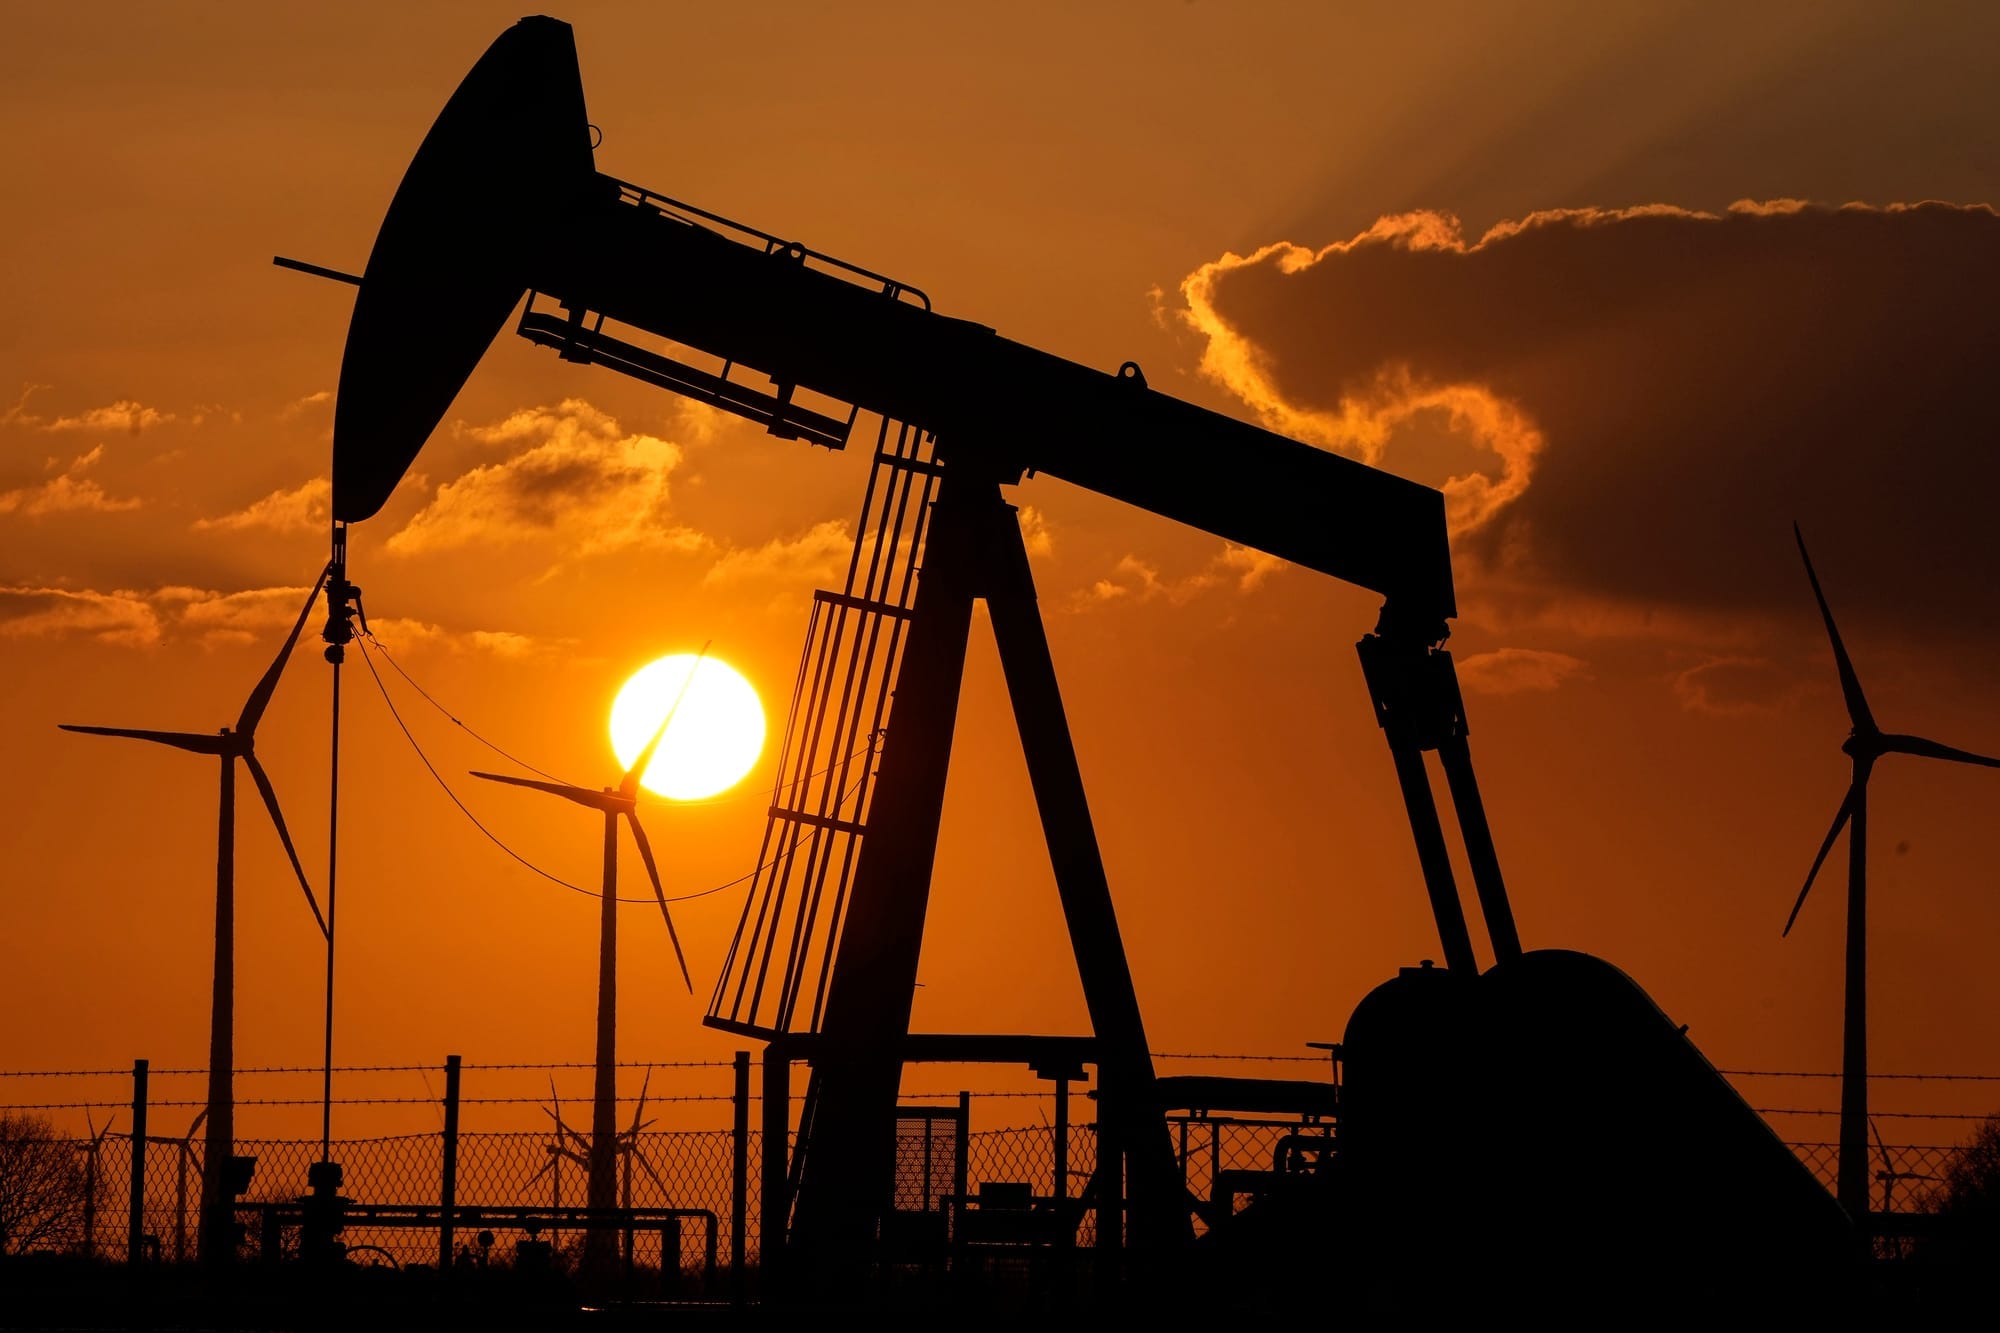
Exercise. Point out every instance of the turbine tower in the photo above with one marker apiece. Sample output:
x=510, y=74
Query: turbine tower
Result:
x=1866, y=742
x=229, y=745
x=613, y=803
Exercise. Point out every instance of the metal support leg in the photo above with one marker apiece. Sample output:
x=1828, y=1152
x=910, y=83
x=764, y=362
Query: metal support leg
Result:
x=1159, y=1214
x=1455, y=755
x=1415, y=693
x=774, y=1208
x=1433, y=856
x=847, y=1174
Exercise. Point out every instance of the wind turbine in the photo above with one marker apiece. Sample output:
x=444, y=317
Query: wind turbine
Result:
x=184, y=1149
x=1890, y=1172
x=92, y=1147
x=628, y=1150
x=1866, y=742
x=559, y=1150
x=229, y=745
x=613, y=802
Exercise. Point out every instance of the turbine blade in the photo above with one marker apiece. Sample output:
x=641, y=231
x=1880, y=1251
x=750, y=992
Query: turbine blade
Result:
x=197, y=741
x=1850, y=684
x=1839, y=823
x=596, y=800
x=1917, y=745
x=653, y=873
x=629, y=784
x=647, y=1166
x=253, y=707
x=270, y=795
x=640, y=1109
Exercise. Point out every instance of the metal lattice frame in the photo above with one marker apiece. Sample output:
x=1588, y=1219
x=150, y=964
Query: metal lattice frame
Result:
x=775, y=974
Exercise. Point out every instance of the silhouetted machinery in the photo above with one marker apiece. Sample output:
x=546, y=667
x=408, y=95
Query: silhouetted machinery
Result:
x=1542, y=1122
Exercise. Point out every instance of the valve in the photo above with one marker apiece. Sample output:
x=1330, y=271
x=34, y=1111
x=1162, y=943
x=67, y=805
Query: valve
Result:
x=343, y=602
x=343, y=608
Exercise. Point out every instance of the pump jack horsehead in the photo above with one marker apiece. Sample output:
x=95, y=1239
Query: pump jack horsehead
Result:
x=628, y=278
x=230, y=745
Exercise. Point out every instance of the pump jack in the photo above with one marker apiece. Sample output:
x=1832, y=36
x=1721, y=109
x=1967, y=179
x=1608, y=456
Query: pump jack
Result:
x=833, y=340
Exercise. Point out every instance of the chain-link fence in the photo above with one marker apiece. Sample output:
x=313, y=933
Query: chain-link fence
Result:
x=88, y=1207
x=80, y=1177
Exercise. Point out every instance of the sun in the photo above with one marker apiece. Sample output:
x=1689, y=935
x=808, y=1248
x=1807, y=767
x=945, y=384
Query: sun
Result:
x=715, y=736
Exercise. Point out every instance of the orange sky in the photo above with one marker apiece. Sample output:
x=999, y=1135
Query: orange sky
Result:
x=1653, y=709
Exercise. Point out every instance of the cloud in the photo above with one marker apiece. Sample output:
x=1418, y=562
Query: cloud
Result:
x=1391, y=405
x=124, y=415
x=17, y=413
x=1638, y=401
x=573, y=476
x=1734, y=686
x=214, y=619
x=1131, y=579
x=1515, y=670
x=307, y=508
x=401, y=633
x=1035, y=532
x=1135, y=580
x=818, y=555
x=300, y=406
x=123, y=618
x=265, y=614
x=1249, y=565
x=68, y=491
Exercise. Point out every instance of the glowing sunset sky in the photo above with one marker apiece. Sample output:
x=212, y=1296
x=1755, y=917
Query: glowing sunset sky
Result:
x=1587, y=268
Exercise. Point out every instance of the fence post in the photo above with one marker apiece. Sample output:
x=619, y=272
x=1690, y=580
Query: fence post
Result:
x=774, y=1208
x=135, y=1224
x=1061, y=1190
x=961, y=1142
x=448, y=1191
x=739, y=1180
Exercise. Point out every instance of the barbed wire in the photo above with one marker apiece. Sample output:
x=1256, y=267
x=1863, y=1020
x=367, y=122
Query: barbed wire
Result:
x=72, y=1106
x=356, y=1101
x=622, y=1064
x=1884, y=1115
x=365, y=1069
x=1274, y=1059
x=666, y=1098
x=1813, y=1073
x=126, y=1071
